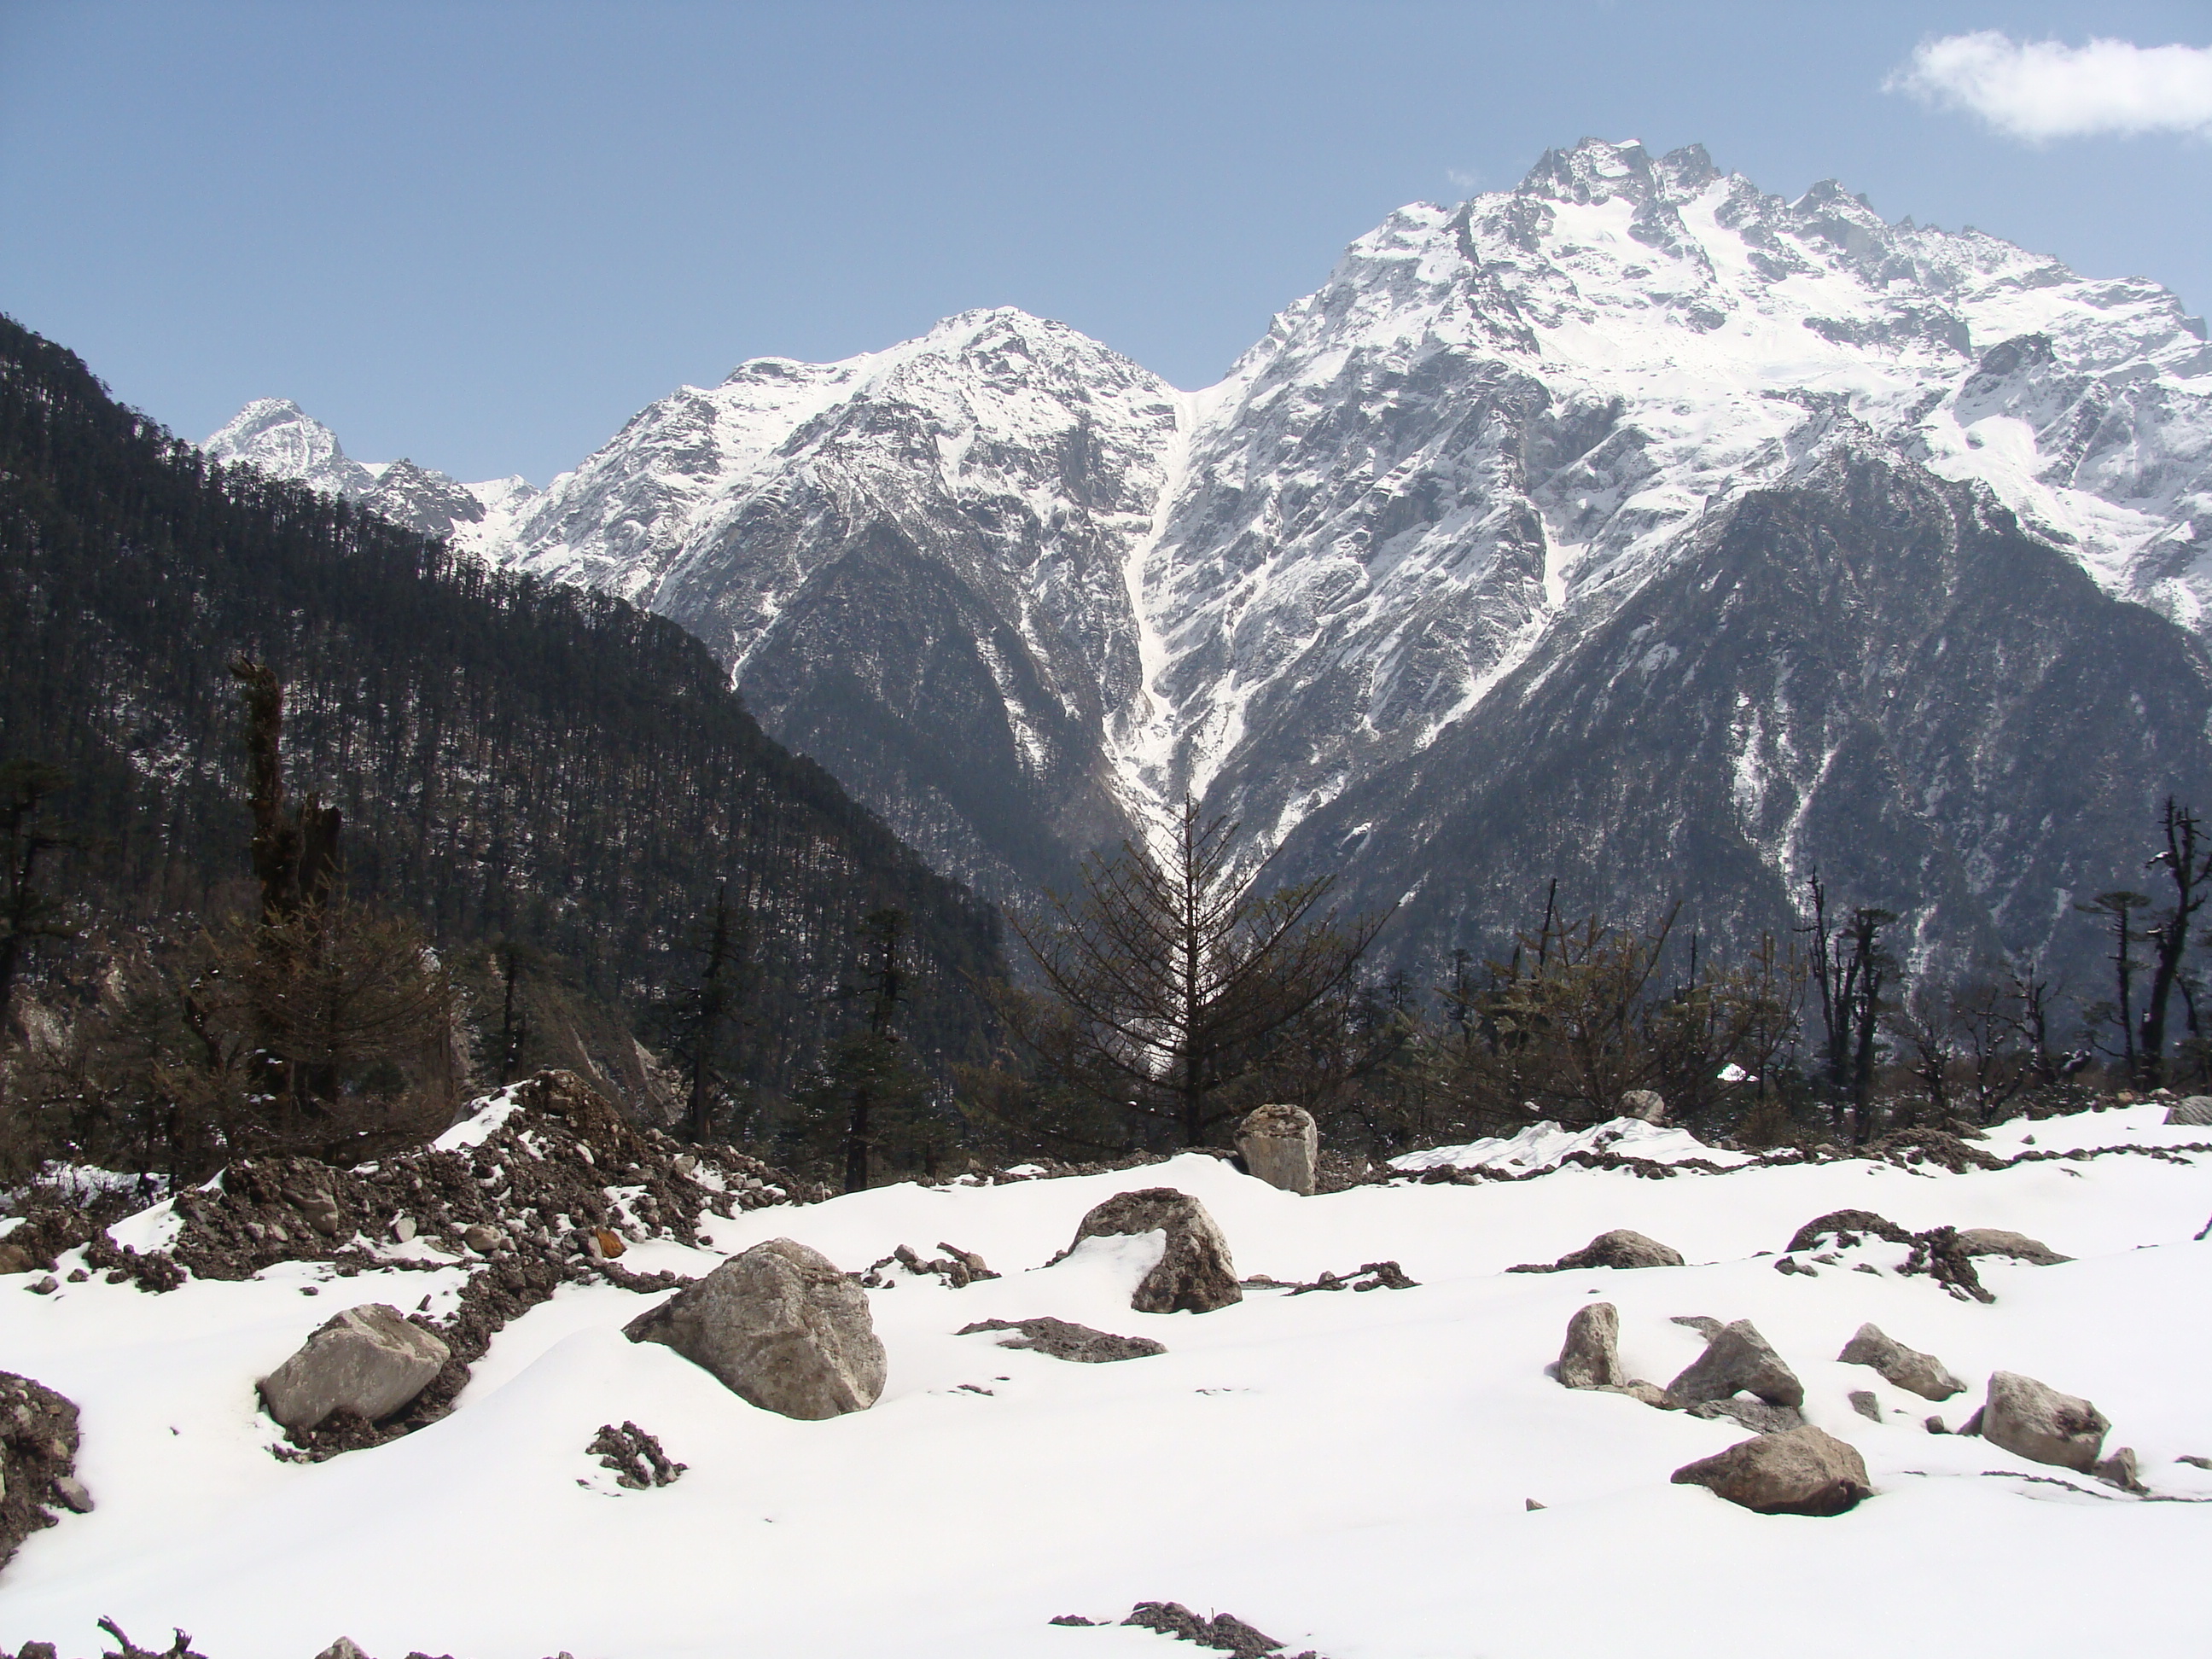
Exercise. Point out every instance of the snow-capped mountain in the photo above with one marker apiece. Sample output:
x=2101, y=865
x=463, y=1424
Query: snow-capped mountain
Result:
x=1017, y=593
x=279, y=437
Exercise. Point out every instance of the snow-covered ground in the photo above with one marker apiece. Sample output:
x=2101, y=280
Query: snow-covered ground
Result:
x=1347, y=1472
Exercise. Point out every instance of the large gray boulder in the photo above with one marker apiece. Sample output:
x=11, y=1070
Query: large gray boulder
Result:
x=1281, y=1145
x=369, y=1360
x=1996, y=1241
x=2195, y=1112
x=1737, y=1359
x=1908, y=1368
x=1803, y=1471
x=1648, y=1104
x=2033, y=1420
x=1195, y=1273
x=779, y=1325
x=1620, y=1248
x=1591, y=1359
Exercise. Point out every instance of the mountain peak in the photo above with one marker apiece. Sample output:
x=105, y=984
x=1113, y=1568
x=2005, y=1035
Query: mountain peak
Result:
x=280, y=438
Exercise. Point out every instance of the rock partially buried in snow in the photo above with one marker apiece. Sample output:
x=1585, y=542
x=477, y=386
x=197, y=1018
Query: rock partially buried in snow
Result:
x=1591, y=1359
x=368, y=1361
x=1281, y=1145
x=1065, y=1341
x=1195, y=1273
x=1908, y=1368
x=1618, y=1248
x=1737, y=1359
x=2033, y=1420
x=2195, y=1112
x=779, y=1325
x=1804, y=1471
x=1648, y=1104
x=1996, y=1241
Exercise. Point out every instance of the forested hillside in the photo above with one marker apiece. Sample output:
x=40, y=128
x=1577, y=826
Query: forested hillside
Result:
x=515, y=759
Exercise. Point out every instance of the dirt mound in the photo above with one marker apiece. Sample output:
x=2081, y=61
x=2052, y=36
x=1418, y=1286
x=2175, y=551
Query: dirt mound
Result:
x=38, y=1460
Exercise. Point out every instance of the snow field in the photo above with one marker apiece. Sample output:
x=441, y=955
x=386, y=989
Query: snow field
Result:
x=1346, y=1471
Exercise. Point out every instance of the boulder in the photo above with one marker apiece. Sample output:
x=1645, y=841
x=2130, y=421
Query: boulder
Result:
x=369, y=1360
x=1804, y=1471
x=1195, y=1273
x=1738, y=1360
x=1618, y=1248
x=2121, y=1470
x=2195, y=1112
x=2033, y=1421
x=1908, y=1368
x=1064, y=1339
x=1646, y=1103
x=1591, y=1359
x=1996, y=1241
x=779, y=1325
x=1281, y=1145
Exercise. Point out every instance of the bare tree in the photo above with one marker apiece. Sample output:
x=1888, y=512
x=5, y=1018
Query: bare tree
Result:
x=2188, y=865
x=1167, y=980
x=2118, y=909
x=28, y=911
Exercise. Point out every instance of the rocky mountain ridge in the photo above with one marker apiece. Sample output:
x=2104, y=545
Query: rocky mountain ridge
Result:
x=1017, y=593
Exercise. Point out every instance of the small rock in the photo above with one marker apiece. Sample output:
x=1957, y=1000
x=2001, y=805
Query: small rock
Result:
x=1864, y=1403
x=1754, y=1415
x=403, y=1228
x=369, y=1361
x=2195, y=1461
x=1907, y=1368
x=1996, y=1241
x=481, y=1238
x=72, y=1493
x=605, y=1242
x=1618, y=1248
x=345, y=1648
x=2120, y=1470
x=781, y=1327
x=1646, y=1103
x=1704, y=1324
x=1591, y=1359
x=1803, y=1471
x=1532, y=1504
x=46, y=1286
x=1738, y=1360
x=1281, y=1145
x=78, y=1276
x=1649, y=1393
x=2032, y=1420
x=1195, y=1273
x=1064, y=1341
x=2195, y=1112
x=1934, y=1425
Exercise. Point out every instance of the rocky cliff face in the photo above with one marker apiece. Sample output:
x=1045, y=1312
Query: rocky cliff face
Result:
x=1633, y=527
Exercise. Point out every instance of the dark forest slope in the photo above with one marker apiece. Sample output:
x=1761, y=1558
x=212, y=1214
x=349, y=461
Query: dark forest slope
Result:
x=512, y=757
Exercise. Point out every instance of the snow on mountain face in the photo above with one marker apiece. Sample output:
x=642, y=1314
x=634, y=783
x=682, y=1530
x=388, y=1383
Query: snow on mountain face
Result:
x=914, y=562
x=1017, y=593
x=281, y=439
x=1494, y=418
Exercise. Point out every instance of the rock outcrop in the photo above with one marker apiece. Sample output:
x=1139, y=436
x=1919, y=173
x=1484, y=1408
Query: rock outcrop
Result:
x=1281, y=1145
x=779, y=1325
x=1195, y=1274
x=2033, y=1420
x=1908, y=1368
x=1803, y=1471
x=367, y=1362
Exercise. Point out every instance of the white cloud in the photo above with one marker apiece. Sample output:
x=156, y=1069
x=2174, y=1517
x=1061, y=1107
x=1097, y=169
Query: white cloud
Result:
x=2042, y=89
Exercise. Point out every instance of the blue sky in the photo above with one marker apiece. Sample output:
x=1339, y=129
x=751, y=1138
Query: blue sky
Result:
x=483, y=235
